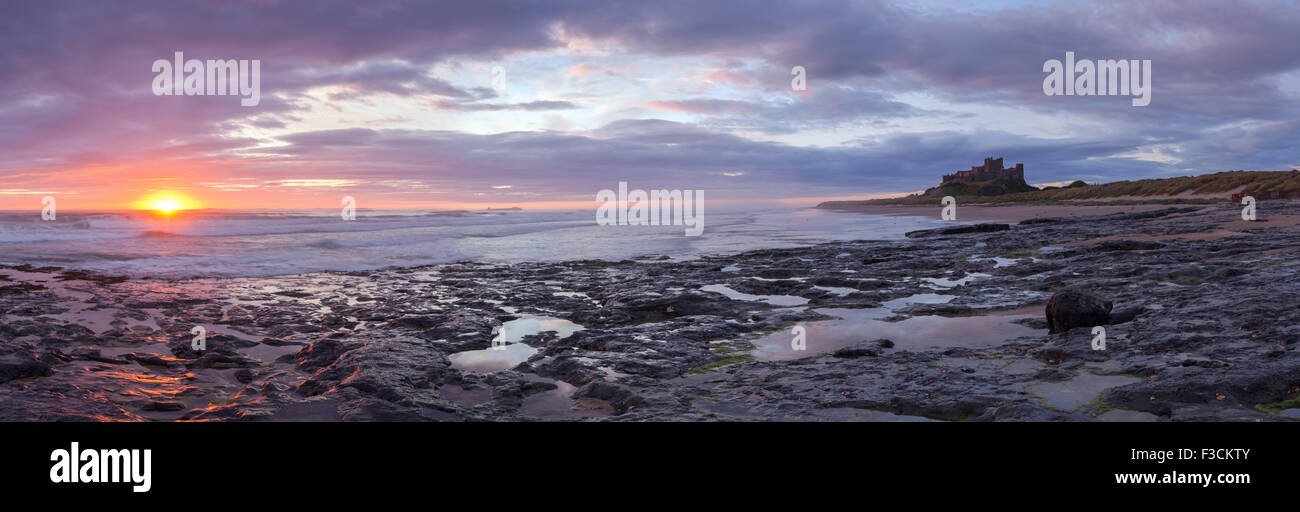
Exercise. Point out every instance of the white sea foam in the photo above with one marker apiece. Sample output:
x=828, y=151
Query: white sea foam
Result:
x=260, y=243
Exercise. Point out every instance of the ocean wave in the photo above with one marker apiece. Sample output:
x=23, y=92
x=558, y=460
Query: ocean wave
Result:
x=254, y=244
x=327, y=244
x=158, y=234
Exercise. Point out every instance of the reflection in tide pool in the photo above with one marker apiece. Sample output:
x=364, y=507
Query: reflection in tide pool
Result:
x=529, y=325
x=1079, y=391
x=920, y=298
x=492, y=359
x=944, y=282
x=495, y=359
x=858, y=325
x=775, y=300
x=558, y=404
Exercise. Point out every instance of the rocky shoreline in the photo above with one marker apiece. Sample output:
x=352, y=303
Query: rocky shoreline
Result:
x=947, y=325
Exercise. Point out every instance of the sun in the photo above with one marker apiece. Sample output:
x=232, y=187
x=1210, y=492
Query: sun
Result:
x=165, y=203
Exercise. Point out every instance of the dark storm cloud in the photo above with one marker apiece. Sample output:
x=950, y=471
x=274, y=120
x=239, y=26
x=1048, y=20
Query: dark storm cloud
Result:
x=75, y=76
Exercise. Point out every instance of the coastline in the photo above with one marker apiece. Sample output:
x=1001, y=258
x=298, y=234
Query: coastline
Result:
x=943, y=327
x=999, y=213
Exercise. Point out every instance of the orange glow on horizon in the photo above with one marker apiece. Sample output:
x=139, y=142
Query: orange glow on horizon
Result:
x=165, y=202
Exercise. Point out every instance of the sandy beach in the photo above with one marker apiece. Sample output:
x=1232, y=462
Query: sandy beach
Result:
x=987, y=213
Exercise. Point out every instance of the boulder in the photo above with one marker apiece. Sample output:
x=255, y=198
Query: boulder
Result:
x=1076, y=307
x=863, y=349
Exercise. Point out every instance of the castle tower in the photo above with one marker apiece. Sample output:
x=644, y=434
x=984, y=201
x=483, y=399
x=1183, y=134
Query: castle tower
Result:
x=993, y=166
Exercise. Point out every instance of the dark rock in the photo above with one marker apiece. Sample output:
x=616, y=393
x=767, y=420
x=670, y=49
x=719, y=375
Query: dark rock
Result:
x=19, y=368
x=1125, y=314
x=620, y=397
x=861, y=349
x=972, y=228
x=1043, y=220
x=1076, y=307
x=163, y=406
x=1128, y=245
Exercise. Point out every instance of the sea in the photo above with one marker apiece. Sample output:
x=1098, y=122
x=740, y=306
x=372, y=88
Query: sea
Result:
x=258, y=243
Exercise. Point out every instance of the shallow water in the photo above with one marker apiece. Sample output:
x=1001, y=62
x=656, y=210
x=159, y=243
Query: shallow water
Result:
x=944, y=282
x=493, y=359
x=559, y=403
x=528, y=325
x=857, y=325
x=839, y=291
x=279, y=242
x=498, y=358
x=920, y=298
x=775, y=300
x=1075, y=393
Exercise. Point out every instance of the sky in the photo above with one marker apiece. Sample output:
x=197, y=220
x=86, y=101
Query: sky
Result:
x=542, y=104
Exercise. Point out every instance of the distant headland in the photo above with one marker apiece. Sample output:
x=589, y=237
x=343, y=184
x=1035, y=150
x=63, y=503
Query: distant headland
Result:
x=995, y=184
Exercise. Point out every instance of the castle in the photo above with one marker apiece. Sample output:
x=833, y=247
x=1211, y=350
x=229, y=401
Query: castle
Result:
x=991, y=170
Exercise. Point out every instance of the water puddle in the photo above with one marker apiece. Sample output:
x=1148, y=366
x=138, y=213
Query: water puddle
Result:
x=836, y=290
x=920, y=298
x=998, y=261
x=495, y=359
x=575, y=294
x=1074, y=393
x=559, y=404
x=527, y=325
x=775, y=300
x=944, y=282
x=858, y=325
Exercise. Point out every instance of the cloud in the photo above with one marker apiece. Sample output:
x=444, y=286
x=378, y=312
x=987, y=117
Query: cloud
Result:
x=531, y=106
x=919, y=92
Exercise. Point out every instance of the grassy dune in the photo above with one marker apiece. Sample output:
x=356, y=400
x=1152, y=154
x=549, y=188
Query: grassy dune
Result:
x=1206, y=188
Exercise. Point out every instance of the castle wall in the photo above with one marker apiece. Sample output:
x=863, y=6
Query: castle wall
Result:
x=991, y=170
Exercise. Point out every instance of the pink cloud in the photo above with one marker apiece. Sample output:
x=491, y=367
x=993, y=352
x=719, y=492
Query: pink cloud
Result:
x=721, y=76
x=588, y=69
